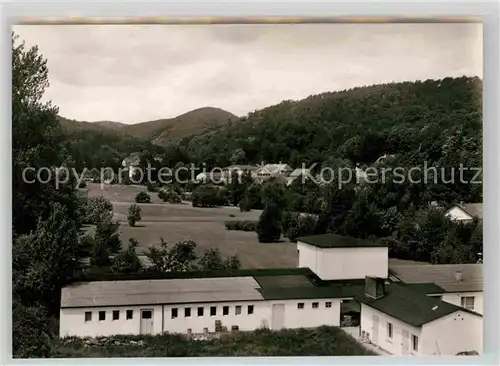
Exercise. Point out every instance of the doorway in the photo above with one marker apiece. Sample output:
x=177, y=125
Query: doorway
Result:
x=278, y=316
x=405, y=342
x=146, y=321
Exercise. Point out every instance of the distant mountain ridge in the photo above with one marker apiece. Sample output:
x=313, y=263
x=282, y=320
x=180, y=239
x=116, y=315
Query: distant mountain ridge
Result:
x=162, y=131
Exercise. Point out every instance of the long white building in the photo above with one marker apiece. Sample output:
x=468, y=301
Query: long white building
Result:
x=342, y=278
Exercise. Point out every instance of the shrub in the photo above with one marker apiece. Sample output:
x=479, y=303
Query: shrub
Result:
x=142, y=197
x=127, y=260
x=301, y=225
x=170, y=196
x=95, y=208
x=242, y=225
x=209, y=196
x=134, y=214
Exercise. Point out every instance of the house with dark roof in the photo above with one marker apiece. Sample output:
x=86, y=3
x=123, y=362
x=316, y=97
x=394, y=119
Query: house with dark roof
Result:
x=341, y=281
x=461, y=284
x=465, y=212
x=405, y=322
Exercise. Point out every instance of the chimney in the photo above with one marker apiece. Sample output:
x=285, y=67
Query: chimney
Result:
x=374, y=287
x=459, y=276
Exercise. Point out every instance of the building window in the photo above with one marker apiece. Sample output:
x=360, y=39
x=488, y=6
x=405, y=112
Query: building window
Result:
x=250, y=309
x=237, y=310
x=389, y=330
x=315, y=305
x=300, y=305
x=414, y=342
x=328, y=304
x=174, y=313
x=200, y=311
x=88, y=316
x=187, y=312
x=116, y=314
x=468, y=302
x=213, y=310
x=225, y=310
x=130, y=314
x=147, y=314
x=102, y=315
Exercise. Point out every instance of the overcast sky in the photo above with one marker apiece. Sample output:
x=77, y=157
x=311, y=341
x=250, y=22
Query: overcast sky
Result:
x=136, y=73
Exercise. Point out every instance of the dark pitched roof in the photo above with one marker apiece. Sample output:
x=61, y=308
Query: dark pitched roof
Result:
x=321, y=290
x=338, y=241
x=442, y=275
x=411, y=307
x=425, y=288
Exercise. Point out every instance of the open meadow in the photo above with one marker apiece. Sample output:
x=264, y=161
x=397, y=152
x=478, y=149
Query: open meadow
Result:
x=176, y=222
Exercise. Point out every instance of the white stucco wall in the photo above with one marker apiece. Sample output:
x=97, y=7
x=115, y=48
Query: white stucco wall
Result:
x=457, y=214
x=72, y=320
x=454, y=333
x=449, y=335
x=392, y=345
x=456, y=299
x=344, y=263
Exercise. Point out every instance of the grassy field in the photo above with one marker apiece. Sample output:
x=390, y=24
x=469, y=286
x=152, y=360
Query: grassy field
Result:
x=203, y=225
x=323, y=341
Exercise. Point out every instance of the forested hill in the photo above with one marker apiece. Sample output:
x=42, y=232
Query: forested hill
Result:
x=359, y=124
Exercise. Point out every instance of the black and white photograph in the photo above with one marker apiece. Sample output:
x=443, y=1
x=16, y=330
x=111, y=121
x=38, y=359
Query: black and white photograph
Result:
x=250, y=189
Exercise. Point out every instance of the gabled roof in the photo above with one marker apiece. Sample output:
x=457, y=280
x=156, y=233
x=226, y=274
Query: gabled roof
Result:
x=411, y=307
x=443, y=275
x=151, y=292
x=338, y=241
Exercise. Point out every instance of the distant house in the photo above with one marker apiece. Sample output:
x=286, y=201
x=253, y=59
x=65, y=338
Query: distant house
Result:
x=462, y=284
x=131, y=164
x=269, y=171
x=215, y=177
x=465, y=212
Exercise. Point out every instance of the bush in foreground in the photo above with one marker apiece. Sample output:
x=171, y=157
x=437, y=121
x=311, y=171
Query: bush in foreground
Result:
x=241, y=225
x=322, y=341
